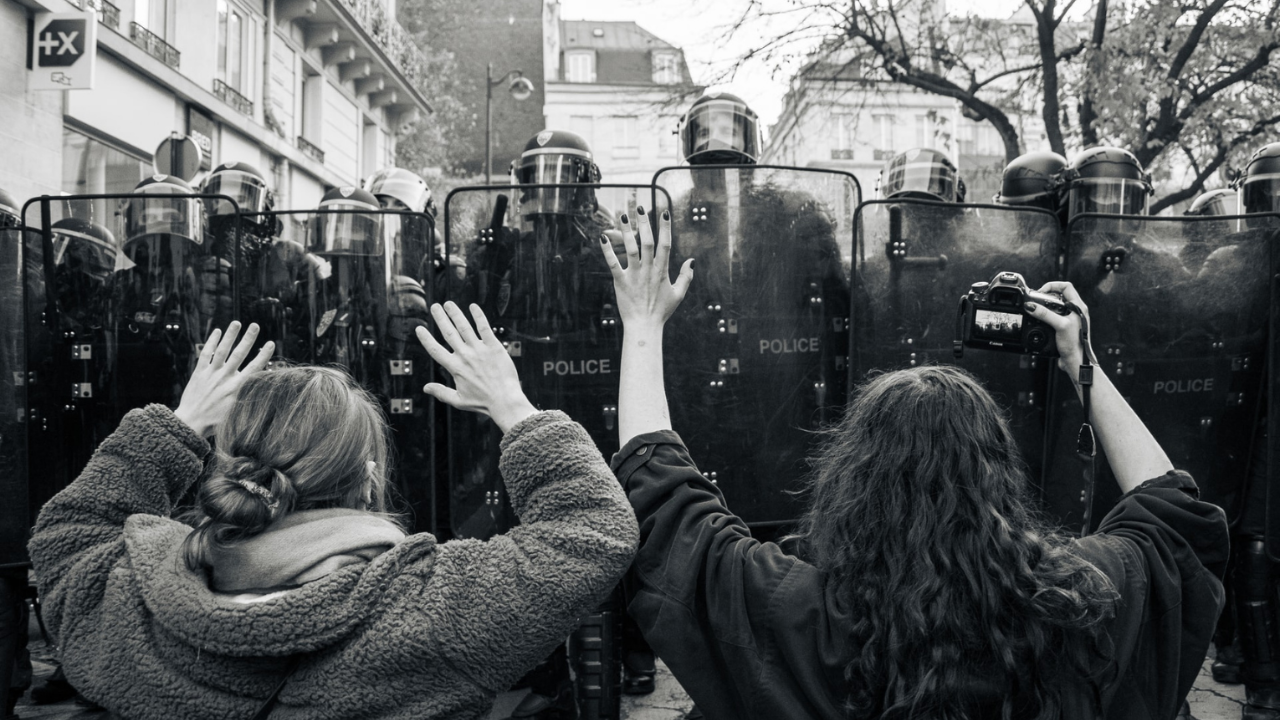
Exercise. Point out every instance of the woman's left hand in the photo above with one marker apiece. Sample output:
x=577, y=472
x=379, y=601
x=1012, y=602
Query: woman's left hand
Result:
x=646, y=295
x=217, y=378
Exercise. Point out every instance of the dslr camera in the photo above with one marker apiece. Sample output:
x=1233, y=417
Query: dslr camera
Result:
x=992, y=317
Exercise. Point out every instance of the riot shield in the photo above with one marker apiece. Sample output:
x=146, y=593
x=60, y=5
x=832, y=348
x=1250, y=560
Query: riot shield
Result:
x=916, y=258
x=122, y=291
x=1179, y=309
x=547, y=292
x=16, y=512
x=756, y=355
x=348, y=288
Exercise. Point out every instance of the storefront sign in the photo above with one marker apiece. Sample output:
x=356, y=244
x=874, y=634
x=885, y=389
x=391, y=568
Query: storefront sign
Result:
x=63, y=51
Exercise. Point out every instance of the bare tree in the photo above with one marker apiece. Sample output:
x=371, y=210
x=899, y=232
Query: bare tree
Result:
x=1183, y=83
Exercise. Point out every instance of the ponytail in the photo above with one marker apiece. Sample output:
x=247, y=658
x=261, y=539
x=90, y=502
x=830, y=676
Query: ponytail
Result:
x=240, y=499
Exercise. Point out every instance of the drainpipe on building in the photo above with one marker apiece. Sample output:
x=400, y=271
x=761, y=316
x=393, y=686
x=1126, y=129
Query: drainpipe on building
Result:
x=268, y=114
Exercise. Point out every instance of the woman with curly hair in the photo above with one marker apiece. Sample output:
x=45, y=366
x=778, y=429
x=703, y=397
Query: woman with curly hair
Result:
x=927, y=588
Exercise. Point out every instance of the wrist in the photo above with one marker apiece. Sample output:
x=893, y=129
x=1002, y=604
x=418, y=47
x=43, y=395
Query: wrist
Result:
x=192, y=420
x=508, y=415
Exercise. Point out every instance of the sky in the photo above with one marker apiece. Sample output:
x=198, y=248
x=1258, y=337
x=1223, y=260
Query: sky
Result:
x=700, y=28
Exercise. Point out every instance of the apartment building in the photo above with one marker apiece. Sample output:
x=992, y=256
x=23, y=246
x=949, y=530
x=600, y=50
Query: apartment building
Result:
x=309, y=91
x=619, y=86
x=841, y=113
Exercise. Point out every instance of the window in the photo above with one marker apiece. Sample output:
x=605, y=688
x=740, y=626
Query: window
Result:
x=884, y=136
x=91, y=167
x=666, y=68
x=583, y=126
x=237, y=44
x=626, y=141
x=924, y=131
x=153, y=15
x=668, y=135
x=580, y=66
x=967, y=135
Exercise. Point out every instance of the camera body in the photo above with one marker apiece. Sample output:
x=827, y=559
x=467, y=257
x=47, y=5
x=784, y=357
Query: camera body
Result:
x=992, y=316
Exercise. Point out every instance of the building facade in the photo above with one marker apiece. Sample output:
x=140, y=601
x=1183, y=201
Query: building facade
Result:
x=621, y=88
x=840, y=113
x=311, y=92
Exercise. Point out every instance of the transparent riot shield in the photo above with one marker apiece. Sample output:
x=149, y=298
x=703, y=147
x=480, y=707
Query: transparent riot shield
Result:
x=122, y=292
x=16, y=511
x=348, y=288
x=1179, y=309
x=757, y=354
x=545, y=288
x=915, y=260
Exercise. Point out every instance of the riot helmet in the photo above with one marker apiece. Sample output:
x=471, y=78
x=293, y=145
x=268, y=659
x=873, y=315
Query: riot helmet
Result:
x=1106, y=180
x=720, y=129
x=1033, y=179
x=1222, y=201
x=347, y=223
x=921, y=173
x=240, y=182
x=402, y=187
x=9, y=210
x=1259, y=186
x=556, y=157
x=84, y=247
x=150, y=212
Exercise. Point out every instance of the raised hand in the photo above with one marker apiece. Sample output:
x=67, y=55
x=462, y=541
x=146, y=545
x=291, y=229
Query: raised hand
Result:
x=217, y=378
x=1066, y=327
x=483, y=373
x=646, y=295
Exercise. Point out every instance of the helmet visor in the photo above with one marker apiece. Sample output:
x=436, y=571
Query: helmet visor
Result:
x=1115, y=196
x=559, y=170
x=930, y=177
x=720, y=126
x=246, y=189
x=83, y=253
x=1260, y=194
x=164, y=214
x=349, y=233
x=413, y=195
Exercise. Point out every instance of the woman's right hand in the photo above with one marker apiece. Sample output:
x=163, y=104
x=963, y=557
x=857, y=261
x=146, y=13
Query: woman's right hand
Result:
x=483, y=372
x=646, y=295
x=1066, y=327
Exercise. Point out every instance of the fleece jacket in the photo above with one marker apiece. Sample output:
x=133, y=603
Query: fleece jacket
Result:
x=424, y=630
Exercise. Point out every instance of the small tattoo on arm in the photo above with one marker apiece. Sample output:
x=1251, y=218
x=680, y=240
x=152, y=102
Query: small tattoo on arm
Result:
x=640, y=343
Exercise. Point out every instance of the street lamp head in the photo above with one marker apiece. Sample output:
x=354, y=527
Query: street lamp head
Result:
x=521, y=88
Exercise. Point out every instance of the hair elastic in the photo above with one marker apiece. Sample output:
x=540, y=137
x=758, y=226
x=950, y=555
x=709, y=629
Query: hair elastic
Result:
x=264, y=494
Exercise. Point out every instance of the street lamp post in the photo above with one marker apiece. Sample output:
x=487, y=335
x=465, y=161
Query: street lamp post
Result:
x=520, y=88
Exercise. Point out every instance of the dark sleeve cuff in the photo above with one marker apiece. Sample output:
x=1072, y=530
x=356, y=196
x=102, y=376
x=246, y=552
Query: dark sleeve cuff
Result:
x=163, y=418
x=1173, y=480
x=638, y=450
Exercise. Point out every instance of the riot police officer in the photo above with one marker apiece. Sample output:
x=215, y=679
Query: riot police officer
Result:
x=1034, y=179
x=170, y=292
x=1222, y=201
x=922, y=173
x=1106, y=180
x=1252, y=579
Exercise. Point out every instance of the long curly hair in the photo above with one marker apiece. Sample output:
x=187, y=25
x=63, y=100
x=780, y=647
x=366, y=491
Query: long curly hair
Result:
x=919, y=517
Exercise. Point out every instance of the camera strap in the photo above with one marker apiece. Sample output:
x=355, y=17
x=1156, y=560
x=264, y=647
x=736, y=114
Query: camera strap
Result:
x=1086, y=443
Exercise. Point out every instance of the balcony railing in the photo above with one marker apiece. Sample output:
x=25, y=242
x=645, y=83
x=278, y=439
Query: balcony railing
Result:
x=841, y=153
x=394, y=39
x=108, y=14
x=154, y=45
x=305, y=146
x=228, y=95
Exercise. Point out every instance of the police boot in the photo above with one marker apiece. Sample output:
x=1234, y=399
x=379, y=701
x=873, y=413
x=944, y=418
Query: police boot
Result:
x=1259, y=642
x=1227, y=665
x=638, y=664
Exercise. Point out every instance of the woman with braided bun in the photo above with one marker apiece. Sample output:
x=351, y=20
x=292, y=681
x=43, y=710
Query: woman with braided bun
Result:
x=291, y=589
